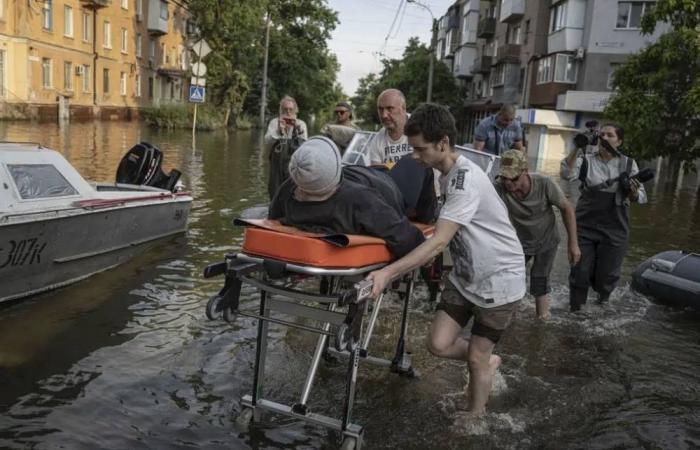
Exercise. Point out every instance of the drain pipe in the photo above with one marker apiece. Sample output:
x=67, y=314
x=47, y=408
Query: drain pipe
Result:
x=94, y=54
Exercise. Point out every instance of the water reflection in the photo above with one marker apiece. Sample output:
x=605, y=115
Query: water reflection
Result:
x=128, y=360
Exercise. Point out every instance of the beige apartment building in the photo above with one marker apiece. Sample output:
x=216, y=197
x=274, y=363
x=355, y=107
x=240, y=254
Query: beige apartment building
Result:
x=85, y=59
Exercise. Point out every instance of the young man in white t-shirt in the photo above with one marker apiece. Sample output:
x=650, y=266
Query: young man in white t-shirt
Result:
x=488, y=277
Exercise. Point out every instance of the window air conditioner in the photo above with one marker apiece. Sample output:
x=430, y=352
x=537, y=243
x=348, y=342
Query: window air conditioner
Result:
x=580, y=52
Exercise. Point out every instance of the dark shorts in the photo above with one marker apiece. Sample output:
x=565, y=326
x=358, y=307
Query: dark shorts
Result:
x=542, y=263
x=488, y=322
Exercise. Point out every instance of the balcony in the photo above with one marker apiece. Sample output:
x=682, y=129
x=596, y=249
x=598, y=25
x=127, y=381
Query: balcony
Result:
x=586, y=101
x=509, y=53
x=158, y=17
x=95, y=4
x=482, y=64
x=512, y=10
x=486, y=27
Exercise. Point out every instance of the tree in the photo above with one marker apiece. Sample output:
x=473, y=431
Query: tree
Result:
x=300, y=64
x=657, y=91
x=410, y=75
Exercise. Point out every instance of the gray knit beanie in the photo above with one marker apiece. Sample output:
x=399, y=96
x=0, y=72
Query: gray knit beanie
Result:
x=315, y=166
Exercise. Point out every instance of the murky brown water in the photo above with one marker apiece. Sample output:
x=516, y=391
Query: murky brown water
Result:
x=127, y=359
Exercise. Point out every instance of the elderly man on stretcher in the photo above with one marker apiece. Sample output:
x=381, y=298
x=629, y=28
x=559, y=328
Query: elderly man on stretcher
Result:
x=321, y=196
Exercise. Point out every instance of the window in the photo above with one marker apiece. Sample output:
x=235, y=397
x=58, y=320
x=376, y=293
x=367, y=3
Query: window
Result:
x=86, y=27
x=124, y=40
x=39, y=181
x=163, y=10
x=498, y=75
x=557, y=17
x=107, y=35
x=629, y=14
x=565, y=69
x=152, y=49
x=87, y=78
x=2, y=11
x=125, y=4
x=68, y=75
x=137, y=88
x=67, y=21
x=163, y=54
x=150, y=87
x=527, y=31
x=46, y=75
x=544, y=70
x=2, y=73
x=105, y=81
x=138, y=45
x=611, y=74
x=513, y=34
x=47, y=15
x=122, y=83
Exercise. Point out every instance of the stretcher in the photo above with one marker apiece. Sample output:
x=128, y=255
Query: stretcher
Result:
x=340, y=311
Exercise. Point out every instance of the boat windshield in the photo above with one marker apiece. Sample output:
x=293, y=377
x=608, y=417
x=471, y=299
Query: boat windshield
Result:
x=34, y=181
x=357, y=153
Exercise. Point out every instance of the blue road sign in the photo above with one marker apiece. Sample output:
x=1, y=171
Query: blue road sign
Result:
x=197, y=94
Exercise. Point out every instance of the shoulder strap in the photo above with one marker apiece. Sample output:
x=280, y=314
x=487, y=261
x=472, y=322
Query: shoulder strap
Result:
x=583, y=170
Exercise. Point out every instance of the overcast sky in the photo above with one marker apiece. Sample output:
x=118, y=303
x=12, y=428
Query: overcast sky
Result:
x=361, y=36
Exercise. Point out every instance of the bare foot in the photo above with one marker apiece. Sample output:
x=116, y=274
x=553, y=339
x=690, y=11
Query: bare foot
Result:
x=494, y=362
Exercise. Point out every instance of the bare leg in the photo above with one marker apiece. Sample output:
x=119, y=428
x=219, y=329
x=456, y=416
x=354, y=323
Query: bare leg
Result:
x=542, y=307
x=445, y=338
x=482, y=368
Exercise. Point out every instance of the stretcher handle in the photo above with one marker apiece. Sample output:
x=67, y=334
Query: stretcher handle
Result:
x=360, y=291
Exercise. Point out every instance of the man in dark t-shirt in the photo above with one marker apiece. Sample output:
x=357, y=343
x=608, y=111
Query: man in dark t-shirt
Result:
x=321, y=196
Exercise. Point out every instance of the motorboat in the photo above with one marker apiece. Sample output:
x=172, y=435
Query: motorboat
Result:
x=56, y=228
x=672, y=277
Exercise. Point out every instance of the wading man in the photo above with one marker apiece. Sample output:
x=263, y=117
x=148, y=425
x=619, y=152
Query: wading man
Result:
x=529, y=198
x=488, y=277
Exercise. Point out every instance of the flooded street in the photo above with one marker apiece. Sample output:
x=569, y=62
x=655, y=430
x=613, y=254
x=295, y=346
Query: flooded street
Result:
x=128, y=360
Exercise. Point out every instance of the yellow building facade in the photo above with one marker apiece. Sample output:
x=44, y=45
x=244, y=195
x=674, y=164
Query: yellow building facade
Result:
x=91, y=58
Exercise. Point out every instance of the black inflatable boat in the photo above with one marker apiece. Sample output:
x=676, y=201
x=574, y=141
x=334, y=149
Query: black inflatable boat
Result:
x=672, y=277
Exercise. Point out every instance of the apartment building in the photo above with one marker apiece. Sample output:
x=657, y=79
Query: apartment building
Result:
x=91, y=58
x=554, y=59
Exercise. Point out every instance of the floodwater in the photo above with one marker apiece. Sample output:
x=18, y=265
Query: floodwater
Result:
x=128, y=360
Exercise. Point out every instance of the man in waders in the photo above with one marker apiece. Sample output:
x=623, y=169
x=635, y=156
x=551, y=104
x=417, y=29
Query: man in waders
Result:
x=283, y=136
x=602, y=212
x=488, y=276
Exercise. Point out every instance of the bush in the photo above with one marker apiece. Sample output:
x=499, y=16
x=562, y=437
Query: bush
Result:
x=180, y=116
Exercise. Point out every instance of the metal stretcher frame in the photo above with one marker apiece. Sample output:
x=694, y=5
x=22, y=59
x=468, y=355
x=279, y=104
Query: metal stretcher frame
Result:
x=341, y=315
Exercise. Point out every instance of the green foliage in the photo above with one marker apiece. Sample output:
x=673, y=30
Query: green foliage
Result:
x=657, y=92
x=299, y=65
x=209, y=117
x=410, y=75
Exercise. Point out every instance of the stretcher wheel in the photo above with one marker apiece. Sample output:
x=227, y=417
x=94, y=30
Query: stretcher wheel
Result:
x=213, y=310
x=342, y=337
x=229, y=314
x=244, y=420
x=349, y=443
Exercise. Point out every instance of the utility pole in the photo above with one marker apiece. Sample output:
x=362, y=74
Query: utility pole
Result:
x=433, y=32
x=263, y=94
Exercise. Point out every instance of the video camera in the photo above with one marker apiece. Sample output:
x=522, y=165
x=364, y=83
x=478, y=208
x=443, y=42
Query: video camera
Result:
x=642, y=176
x=588, y=137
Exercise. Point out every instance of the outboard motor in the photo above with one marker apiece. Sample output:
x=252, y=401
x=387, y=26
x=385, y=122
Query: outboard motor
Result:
x=142, y=166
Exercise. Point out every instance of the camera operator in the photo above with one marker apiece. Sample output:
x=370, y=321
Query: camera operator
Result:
x=283, y=136
x=608, y=185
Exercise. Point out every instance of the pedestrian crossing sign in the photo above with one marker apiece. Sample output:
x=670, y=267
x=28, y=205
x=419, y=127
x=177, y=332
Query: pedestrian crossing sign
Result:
x=197, y=94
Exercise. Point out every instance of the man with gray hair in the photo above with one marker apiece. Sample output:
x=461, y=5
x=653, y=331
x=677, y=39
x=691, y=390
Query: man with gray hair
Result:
x=284, y=135
x=390, y=144
x=321, y=196
x=499, y=132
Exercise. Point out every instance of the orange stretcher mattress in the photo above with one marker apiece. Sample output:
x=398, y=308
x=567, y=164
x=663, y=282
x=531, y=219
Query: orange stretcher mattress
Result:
x=271, y=239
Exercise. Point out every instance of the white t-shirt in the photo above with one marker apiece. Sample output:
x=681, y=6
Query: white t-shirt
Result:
x=383, y=149
x=489, y=265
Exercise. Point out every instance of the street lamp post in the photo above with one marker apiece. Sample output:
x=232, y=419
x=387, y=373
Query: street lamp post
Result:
x=433, y=29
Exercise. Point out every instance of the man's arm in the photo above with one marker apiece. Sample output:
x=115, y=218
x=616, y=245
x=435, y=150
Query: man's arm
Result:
x=444, y=231
x=273, y=132
x=568, y=215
